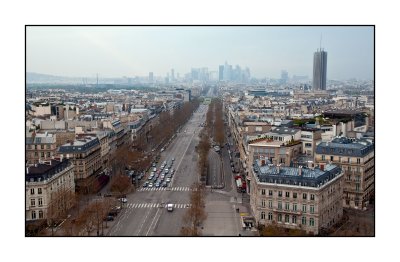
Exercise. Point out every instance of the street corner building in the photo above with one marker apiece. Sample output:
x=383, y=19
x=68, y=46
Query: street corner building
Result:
x=303, y=198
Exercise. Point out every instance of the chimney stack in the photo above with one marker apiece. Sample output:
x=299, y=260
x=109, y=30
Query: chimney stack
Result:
x=300, y=167
x=278, y=167
x=262, y=162
x=322, y=167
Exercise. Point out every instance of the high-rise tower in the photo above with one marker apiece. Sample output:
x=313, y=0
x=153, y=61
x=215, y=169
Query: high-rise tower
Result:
x=319, y=72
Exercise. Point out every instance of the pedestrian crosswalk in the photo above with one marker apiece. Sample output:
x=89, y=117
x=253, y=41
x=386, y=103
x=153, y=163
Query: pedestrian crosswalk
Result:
x=163, y=189
x=154, y=205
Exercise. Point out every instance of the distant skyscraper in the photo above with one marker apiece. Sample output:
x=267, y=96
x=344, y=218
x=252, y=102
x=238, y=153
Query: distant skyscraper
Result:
x=319, y=72
x=172, y=75
x=151, y=77
x=284, y=77
x=221, y=73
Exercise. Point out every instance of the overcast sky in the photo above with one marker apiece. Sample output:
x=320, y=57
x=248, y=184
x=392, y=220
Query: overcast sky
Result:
x=136, y=51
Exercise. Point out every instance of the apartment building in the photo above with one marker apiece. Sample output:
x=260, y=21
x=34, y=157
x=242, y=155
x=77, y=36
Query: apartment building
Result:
x=357, y=159
x=85, y=154
x=296, y=198
x=40, y=146
x=49, y=189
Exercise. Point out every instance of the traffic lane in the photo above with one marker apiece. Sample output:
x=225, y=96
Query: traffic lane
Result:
x=169, y=223
x=228, y=176
x=215, y=167
x=187, y=173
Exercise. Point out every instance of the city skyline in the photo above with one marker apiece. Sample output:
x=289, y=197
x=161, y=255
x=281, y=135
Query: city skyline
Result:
x=136, y=51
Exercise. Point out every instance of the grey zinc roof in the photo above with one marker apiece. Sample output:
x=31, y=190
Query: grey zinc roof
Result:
x=345, y=147
x=284, y=130
x=291, y=176
x=79, y=145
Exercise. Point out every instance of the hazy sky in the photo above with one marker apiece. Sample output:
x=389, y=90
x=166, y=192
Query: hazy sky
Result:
x=130, y=51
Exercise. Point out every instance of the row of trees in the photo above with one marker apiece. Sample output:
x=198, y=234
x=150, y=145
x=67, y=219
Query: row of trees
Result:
x=195, y=215
x=90, y=218
x=218, y=122
x=169, y=122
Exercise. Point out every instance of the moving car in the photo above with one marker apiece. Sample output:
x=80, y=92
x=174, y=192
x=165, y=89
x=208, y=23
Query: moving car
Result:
x=170, y=207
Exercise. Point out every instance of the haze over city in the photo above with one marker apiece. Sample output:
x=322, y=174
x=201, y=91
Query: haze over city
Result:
x=136, y=51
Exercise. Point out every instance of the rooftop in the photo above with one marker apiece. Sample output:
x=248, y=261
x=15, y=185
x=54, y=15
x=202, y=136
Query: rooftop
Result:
x=346, y=147
x=316, y=177
x=81, y=144
x=284, y=131
x=46, y=170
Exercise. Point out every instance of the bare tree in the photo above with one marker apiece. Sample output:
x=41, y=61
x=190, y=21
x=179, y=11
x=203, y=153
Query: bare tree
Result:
x=195, y=215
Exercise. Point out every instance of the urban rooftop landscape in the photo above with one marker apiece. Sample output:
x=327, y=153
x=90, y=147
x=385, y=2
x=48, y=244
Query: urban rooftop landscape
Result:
x=241, y=150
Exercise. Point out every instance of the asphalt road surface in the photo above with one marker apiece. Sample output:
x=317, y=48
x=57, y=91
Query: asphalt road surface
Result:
x=145, y=213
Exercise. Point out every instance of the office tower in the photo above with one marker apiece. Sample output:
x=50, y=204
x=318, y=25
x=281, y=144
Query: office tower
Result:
x=221, y=73
x=284, y=77
x=172, y=75
x=319, y=72
x=151, y=77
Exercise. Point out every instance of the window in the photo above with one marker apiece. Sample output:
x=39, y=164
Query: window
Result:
x=263, y=203
x=270, y=203
x=357, y=187
x=279, y=217
x=33, y=214
x=286, y=218
x=287, y=194
x=32, y=191
x=47, y=146
x=294, y=195
x=358, y=161
x=279, y=193
x=41, y=146
x=263, y=192
x=48, y=154
x=40, y=214
x=323, y=157
x=36, y=154
x=340, y=159
x=294, y=206
x=312, y=197
x=269, y=216
x=39, y=190
x=279, y=205
x=311, y=222
x=33, y=202
x=40, y=202
x=348, y=160
x=303, y=220
x=41, y=154
x=305, y=196
x=263, y=215
x=304, y=208
x=35, y=147
x=270, y=192
x=287, y=206
x=294, y=219
x=312, y=209
x=307, y=144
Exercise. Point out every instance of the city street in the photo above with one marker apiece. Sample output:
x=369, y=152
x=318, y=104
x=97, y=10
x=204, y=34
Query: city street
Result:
x=145, y=214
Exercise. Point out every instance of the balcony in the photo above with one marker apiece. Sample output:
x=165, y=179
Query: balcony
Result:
x=297, y=212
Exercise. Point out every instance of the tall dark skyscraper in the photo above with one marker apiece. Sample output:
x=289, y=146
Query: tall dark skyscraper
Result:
x=319, y=72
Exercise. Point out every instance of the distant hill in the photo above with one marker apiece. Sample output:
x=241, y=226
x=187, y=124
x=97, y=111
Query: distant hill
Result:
x=32, y=78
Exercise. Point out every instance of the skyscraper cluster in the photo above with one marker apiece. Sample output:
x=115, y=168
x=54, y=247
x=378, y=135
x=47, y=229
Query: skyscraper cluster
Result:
x=230, y=74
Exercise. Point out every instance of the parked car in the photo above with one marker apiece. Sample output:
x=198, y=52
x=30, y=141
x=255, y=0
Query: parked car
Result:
x=123, y=200
x=157, y=184
x=162, y=149
x=146, y=184
x=150, y=185
x=109, y=218
x=164, y=184
x=168, y=179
